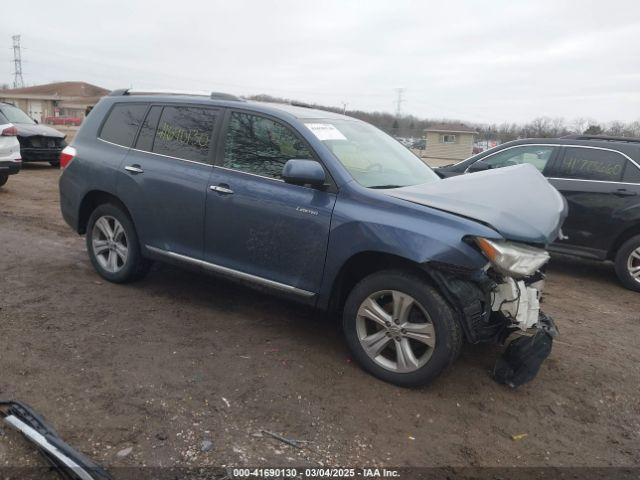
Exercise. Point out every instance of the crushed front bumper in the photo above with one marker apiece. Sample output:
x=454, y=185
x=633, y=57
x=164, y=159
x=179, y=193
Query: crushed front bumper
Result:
x=501, y=310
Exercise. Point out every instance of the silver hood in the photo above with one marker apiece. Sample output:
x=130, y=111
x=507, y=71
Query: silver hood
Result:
x=518, y=202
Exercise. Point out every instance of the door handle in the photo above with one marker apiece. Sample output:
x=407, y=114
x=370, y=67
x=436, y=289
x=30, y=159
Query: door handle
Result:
x=221, y=189
x=134, y=169
x=625, y=193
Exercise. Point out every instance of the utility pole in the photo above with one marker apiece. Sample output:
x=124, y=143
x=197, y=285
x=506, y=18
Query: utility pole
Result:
x=18, y=81
x=399, y=101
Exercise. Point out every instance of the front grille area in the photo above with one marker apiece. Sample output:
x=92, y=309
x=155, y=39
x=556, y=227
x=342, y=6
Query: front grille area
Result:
x=40, y=142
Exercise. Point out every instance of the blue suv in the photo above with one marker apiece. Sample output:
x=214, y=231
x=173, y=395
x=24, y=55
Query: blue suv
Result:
x=322, y=208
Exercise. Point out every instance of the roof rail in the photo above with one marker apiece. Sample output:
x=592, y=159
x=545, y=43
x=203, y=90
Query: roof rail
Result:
x=149, y=91
x=605, y=138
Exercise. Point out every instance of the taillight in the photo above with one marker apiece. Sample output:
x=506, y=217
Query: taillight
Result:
x=9, y=131
x=67, y=154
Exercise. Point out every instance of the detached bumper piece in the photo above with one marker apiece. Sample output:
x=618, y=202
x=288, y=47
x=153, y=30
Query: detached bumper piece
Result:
x=523, y=357
x=69, y=463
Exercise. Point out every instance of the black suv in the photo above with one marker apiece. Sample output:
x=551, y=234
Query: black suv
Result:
x=599, y=177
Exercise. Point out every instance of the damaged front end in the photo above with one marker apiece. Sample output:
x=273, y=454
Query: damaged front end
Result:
x=501, y=304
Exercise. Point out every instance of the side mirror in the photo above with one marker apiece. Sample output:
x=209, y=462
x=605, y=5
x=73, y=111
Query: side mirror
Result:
x=479, y=166
x=304, y=172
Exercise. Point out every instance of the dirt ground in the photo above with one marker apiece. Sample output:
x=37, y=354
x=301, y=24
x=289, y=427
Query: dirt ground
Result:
x=180, y=358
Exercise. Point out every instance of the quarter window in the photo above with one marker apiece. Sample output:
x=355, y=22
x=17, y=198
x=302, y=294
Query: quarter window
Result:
x=122, y=123
x=590, y=164
x=185, y=132
x=536, y=155
x=260, y=146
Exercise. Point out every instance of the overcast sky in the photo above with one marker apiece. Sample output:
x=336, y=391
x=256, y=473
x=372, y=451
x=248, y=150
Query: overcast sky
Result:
x=483, y=61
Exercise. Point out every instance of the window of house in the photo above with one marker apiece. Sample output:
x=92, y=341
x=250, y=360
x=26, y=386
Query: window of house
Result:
x=122, y=123
x=447, y=138
x=258, y=145
x=185, y=132
x=536, y=155
x=590, y=164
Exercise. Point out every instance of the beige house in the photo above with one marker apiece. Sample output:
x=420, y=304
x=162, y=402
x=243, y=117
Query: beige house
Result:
x=448, y=142
x=62, y=99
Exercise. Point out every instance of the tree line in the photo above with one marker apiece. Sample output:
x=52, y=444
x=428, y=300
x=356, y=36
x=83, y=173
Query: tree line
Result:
x=541, y=127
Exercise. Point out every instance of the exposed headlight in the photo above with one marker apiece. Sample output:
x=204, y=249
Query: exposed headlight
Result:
x=514, y=259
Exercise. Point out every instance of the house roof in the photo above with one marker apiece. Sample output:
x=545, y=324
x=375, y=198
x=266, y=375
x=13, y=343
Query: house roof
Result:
x=58, y=90
x=451, y=128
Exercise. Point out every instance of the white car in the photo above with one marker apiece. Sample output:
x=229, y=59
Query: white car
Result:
x=10, y=160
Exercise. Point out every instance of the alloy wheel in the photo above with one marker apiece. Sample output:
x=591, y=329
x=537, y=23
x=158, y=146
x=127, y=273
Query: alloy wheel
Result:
x=633, y=264
x=395, y=331
x=109, y=243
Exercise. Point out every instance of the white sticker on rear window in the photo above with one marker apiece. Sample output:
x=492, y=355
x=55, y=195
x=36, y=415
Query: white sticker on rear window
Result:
x=325, y=131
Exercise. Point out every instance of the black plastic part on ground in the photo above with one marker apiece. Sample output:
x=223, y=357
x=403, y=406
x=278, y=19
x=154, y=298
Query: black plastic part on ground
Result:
x=523, y=357
x=27, y=415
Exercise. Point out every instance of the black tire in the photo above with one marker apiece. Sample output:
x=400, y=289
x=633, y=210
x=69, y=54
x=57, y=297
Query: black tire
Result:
x=135, y=266
x=55, y=164
x=3, y=179
x=448, y=334
x=623, y=256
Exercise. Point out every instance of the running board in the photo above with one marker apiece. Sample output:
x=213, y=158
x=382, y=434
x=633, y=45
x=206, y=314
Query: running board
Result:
x=229, y=272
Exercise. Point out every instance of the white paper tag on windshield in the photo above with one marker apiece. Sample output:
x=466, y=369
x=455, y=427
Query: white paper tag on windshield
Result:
x=325, y=131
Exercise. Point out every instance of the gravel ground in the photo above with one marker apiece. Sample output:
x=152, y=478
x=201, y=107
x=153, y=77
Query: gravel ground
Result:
x=143, y=374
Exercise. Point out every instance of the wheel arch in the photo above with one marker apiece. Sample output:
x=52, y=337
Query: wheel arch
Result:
x=362, y=264
x=92, y=200
x=623, y=237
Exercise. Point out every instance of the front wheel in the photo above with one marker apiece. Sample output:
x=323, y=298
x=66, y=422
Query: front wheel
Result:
x=3, y=179
x=112, y=243
x=628, y=263
x=400, y=329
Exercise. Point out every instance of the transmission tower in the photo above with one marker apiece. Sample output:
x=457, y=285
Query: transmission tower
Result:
x=18, y=81
x=399, y=101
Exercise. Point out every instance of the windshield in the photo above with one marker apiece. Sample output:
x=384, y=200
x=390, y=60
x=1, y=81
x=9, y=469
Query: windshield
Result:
x=15, y=115
x=373, y=158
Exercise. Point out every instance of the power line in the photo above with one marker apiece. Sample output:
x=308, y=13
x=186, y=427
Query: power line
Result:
x=18, y=81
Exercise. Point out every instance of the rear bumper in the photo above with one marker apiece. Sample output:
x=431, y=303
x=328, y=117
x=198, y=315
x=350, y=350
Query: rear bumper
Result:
x=10, y=167
x=40, y=154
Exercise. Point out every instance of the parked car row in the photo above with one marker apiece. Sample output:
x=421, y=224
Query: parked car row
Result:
x=599, y=177
x=38, y=143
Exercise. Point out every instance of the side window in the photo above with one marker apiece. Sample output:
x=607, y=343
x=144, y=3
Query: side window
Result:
x=631, y=173
x=536, y=155
x=148, y=130
x=260, y=146
x=185, y=132
x=122, y=123
x=590, y=164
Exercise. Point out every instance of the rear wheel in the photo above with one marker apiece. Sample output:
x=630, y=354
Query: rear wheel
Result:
x=628, y=263
x=400, y=329
x=112, y=243
x=3, y=179
x=55, y=163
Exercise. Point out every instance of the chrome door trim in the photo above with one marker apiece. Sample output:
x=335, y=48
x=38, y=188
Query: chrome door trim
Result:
x=265, y=282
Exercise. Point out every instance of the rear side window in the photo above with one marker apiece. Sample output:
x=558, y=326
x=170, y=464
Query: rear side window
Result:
x=590, y=164
x=148, y=131
x=261, y=146
x=123, y=123
x=185, y=132
x=631, y=173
